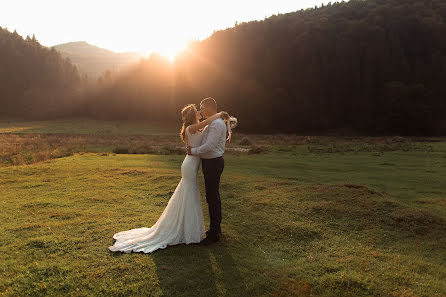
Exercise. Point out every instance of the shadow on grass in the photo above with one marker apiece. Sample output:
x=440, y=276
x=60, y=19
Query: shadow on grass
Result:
x=194, y=270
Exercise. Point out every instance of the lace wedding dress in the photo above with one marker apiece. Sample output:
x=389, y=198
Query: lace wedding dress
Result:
x=182, y=219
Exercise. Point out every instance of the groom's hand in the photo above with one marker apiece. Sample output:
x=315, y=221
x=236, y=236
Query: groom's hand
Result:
x=189, y=150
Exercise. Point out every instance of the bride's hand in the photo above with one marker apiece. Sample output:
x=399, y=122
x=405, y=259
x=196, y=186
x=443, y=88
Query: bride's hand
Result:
x=224, y=115
x=229, y=137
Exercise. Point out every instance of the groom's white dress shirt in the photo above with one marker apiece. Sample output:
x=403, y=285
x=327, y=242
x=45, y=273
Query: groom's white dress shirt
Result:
x=213, y=141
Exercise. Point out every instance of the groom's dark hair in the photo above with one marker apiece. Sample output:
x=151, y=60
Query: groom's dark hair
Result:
x=209, y=102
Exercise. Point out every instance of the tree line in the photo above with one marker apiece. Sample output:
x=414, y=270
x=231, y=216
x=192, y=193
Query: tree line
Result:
x=360, y=67
x=35, y=81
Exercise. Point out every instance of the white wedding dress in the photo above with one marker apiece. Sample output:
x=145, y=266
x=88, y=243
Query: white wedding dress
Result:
x=182, y=219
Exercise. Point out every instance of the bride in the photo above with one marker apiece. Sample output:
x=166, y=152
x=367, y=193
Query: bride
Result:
x=182, y=219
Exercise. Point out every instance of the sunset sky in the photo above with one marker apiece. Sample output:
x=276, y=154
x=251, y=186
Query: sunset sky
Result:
x=133, y=25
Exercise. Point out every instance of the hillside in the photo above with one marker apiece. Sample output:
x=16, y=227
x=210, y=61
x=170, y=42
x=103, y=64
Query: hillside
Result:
x=357, y=67
x=350, y=68
x=35, y=81
x=93, y=60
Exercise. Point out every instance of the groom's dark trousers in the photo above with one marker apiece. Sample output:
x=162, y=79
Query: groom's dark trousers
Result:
x=212, y=170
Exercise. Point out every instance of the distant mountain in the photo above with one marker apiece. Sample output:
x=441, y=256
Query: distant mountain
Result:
x=93, y=60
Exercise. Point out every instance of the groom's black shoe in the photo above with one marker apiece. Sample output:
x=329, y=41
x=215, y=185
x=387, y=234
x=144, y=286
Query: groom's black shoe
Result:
x=210, y=238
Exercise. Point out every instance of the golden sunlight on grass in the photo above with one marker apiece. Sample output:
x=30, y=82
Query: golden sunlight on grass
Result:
x=17, y=129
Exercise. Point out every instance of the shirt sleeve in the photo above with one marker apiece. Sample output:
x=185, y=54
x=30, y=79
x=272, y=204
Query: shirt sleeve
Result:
x=211, y=141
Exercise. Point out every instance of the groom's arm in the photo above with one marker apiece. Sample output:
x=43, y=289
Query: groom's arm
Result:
x=215, y=129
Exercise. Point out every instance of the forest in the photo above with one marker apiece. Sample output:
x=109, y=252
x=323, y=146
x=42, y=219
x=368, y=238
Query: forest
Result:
x=35, y=81
x=363, y=67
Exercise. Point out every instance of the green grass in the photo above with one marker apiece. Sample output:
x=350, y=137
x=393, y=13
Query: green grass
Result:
x=296, y=222
x=88, y=126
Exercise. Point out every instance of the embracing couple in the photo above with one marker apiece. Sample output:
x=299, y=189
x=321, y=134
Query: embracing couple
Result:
x=182, y=219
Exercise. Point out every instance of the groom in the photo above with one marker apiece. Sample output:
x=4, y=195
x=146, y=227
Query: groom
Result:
x=211, y=152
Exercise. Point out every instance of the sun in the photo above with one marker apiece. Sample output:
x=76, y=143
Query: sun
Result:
x=171, y=49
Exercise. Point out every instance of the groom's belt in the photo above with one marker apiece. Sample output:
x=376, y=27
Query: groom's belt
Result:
x=221, y=157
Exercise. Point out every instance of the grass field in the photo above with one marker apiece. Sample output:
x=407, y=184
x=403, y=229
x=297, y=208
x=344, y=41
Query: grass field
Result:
x=302, y=216
x=86, y=126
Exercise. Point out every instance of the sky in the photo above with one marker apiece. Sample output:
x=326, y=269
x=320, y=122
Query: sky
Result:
x=164, y=26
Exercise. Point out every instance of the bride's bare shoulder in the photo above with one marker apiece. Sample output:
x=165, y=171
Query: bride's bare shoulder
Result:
x=196, y=131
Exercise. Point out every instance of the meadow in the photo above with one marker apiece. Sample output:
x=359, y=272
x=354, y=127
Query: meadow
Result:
x=302, y=215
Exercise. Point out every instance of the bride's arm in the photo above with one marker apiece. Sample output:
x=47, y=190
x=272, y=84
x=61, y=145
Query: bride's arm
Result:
x=195, y=127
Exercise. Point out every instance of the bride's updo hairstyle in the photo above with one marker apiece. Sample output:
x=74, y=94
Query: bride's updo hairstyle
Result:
x=189, y=117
